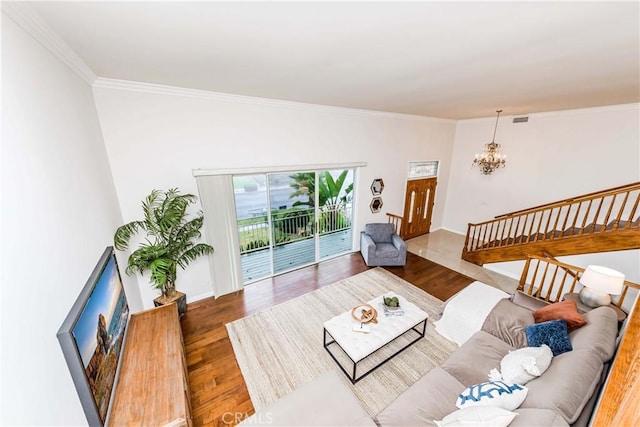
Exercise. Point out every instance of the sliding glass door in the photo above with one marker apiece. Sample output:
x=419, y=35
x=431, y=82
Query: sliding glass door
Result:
x=292, y=220
x=287, y=220
x=335, y=212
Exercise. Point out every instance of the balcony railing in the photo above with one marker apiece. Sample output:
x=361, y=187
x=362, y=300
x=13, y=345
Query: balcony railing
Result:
x=292, y=237
x=289, y=226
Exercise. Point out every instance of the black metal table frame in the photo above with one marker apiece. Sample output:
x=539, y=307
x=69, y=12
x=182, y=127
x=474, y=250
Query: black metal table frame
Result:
x=353, y=377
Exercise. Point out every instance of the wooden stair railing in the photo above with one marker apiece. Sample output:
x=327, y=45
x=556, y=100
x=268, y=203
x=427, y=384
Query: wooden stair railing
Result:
x=603, y=221
x=396, y=220
x=549, y=279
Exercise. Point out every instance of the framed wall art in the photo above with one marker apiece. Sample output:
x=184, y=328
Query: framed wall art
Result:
x=376, y=204
x=377, y=186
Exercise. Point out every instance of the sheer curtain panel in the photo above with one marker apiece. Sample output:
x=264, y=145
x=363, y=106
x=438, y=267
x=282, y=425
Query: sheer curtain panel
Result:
x=220, y=223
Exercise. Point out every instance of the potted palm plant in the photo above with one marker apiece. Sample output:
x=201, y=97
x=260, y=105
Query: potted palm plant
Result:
x=170, y=239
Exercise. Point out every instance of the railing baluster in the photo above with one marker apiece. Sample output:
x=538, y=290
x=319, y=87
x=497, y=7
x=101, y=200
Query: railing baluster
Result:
x=510, y=239
x=618, y=301
x=473, y=238
x=606, y=219
x=575, y=219
x=542, y=282
x=595, y=218
x=566, y=219
x=555, y=224
x=546, y=227
x=624, y=203
x=523, y=276
x=561, y=288
x=586, y=216
x=490, y=235
x=539, y=225
x=484, y=233
x=573, y=283
x=533, y=280
x=533, y=219
x=633, y=211
x=515, y=233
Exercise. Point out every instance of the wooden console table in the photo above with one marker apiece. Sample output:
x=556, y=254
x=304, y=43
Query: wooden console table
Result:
x=153, y=384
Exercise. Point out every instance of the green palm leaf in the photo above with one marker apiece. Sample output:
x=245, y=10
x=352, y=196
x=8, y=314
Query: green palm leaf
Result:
x=171, y=238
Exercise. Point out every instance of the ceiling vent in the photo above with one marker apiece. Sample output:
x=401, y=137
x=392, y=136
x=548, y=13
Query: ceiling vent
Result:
x=524, y=119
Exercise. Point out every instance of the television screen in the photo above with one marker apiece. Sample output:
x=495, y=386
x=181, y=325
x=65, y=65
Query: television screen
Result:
x=92, y=336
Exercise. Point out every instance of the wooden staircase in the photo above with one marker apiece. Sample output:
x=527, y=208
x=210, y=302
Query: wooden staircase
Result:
x=604, y=221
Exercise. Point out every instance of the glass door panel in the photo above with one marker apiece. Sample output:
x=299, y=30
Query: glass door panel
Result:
x=335, y=212
x=252, y=206
x=291, y=197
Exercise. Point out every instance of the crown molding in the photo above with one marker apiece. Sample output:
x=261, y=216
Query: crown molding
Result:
x=600, y=109
x=558, y=113
x=128, y=85
x=27, y=18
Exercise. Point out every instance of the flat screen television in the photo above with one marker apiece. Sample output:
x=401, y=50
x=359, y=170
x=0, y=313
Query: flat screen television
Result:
x=92, y=337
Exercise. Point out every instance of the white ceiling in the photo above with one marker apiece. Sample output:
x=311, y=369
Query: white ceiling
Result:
x=442, y=59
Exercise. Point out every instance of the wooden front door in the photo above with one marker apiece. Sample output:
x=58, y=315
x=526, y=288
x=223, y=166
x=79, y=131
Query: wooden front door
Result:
x=418, y=207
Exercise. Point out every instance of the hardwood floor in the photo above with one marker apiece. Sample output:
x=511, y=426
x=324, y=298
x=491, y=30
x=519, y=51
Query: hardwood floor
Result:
x=219, y=395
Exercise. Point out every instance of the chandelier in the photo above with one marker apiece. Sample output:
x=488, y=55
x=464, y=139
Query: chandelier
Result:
x=490, y=159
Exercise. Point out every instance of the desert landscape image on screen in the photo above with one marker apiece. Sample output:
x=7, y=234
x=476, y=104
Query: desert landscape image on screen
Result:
x=99, y=333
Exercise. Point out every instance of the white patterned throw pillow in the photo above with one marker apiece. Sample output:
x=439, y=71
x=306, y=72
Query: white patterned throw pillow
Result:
x=478, y=416
x=493, y=393
x=522, y=365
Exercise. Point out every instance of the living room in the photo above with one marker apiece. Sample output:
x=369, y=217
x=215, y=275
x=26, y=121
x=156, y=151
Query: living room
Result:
x=81, y=150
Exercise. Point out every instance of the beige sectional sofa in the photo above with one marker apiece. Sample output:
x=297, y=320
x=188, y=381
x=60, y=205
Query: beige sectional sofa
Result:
x=563, y=395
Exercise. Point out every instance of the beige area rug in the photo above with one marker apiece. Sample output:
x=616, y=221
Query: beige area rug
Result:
x=281, y=348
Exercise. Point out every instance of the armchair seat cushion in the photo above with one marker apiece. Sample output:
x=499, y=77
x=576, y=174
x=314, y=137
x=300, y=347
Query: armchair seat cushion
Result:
x=386, y=250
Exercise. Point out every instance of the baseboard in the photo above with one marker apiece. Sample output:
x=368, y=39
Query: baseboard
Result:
x=452, y=231
x=199, y=297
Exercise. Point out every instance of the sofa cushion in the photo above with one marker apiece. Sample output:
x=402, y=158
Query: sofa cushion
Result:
x=528, y=417
x=471, y=363
x=380, y=232
x=507, y=321
x=527, y=301
x=430, y=398
x=552, y=333
x=599, y=334
x=567, y=385
x=567, y=310
x=326, y=391
x=478, y=416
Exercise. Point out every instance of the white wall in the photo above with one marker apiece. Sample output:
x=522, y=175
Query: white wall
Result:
x=156, y=136
x=59, y=212
x=554, y=156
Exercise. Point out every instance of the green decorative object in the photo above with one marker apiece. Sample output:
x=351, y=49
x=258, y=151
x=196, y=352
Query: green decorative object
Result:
x=392, y=302
x=170, y=238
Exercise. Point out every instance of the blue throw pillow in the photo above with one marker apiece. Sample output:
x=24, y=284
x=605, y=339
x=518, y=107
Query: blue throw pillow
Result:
x=552, y=333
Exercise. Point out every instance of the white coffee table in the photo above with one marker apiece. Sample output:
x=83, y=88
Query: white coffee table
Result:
x=359, y=346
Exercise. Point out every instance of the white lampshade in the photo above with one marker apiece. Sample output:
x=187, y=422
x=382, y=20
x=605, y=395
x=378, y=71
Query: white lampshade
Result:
x=603, y=279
